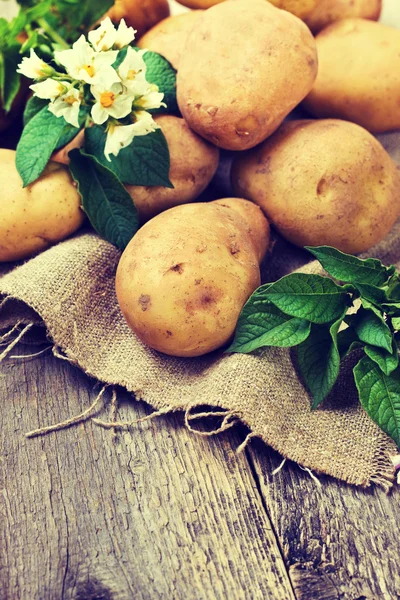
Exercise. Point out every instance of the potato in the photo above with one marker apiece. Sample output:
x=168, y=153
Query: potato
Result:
x=169, y=36
x=325, y=182
x=329, y=11
x=142, y=15
x=359, y=74
x=185, y=276
x=235, y=93
x=300, y=8
x=193, y=164
x=35, y=217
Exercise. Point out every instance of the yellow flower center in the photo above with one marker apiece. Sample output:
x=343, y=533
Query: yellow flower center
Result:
x=89, y=69
x=132, y=74
x=107, y=99
x=70, y=99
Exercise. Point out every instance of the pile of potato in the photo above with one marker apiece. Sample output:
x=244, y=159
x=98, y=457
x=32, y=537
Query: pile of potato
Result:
x=243, y=66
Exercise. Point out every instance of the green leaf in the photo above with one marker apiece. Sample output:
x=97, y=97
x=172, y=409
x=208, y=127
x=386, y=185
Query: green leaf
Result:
x=33, y=106
x=391, y=308
x=145, y=161
x=38, y=141
x=160, y=72
x=319, y=360
x=371, y=293
x=347, y=341
x=396, y=323
x=371, y=327
x=106, y=202
x=386, y=361
x=94, y=10
x=380, y=396
x=311, y=297
x=10, y=80
x=263, y=324
x=351, y=269
x=393, y=293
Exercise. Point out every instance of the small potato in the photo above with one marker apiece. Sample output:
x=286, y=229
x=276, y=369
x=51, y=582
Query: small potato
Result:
x=300, y=8
x=169, y=36
x=193, y=164
x=185, y=276
x=235, y=93
x=142, y=15
x=325, y=182
x=329, y=11
x=359, y=74
x=35, y=217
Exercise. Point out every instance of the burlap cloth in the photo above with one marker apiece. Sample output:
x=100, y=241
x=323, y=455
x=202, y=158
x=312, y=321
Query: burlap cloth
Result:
x=71, y=289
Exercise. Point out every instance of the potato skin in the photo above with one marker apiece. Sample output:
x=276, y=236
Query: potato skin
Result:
x=169, y=36
x=185, y=276
x=359, y=74
x=325, y=182
x=142, y=15
x=300, y=8
x=35, y=217
x=193, y=164
x=241, y=99
x=329, y=11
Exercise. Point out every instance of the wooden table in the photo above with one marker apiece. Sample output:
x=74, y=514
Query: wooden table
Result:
x=163, y=513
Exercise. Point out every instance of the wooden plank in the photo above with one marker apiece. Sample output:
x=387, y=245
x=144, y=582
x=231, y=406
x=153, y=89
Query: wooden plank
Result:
x=339, y=542
x=161, y=514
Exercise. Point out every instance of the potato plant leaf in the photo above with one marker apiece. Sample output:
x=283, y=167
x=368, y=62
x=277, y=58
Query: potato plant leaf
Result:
x=263, y=324
x=386, y=361
x=319, y=360
x=372, y=329
x=310, y=297
x=106, y=202
x=145, y=161
x=39, y=139
x=161, y=73
x=396, y=323
x=351, y=269
x=10, y=80
x=380, y=395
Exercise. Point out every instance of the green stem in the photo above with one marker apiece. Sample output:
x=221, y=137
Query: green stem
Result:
x=52, y=33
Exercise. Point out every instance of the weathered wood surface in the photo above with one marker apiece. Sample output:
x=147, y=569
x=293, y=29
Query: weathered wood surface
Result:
x=161, y=514
x=167, y=514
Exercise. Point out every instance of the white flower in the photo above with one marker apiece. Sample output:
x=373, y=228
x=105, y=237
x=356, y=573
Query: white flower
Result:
x=34, y=67
x=67, y=106
x=120, y=136
x=103, y=38
x=50, y=89
x=152, y=99
x=132, y=71
x=125, y=35
x=111, y=101
x=83, y=63
x=106, y=36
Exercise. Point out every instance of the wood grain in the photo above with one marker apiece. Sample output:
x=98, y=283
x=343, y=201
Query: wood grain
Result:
x=161, y=514
x=339, y=542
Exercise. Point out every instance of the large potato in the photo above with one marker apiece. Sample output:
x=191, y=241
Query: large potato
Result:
x=35, y=217
x=300, y=8
x=325, y=182
x=142, y=15
x=329, y=11
x=359, y=74
x=246, y=65
x=169, y=36
x=185, y=276
x=193, y=165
